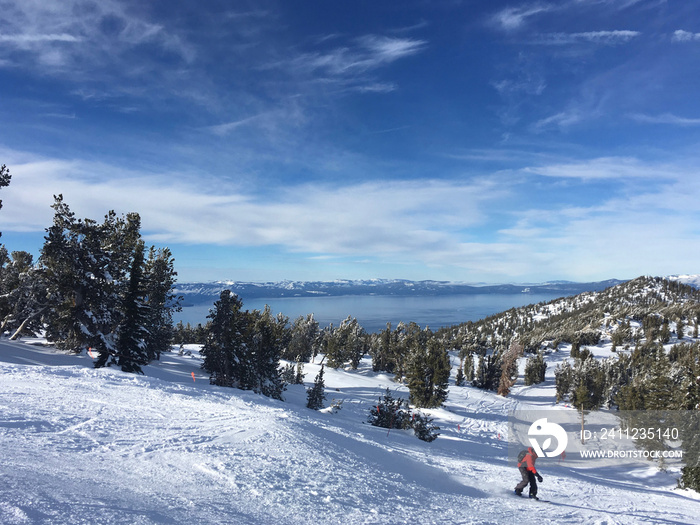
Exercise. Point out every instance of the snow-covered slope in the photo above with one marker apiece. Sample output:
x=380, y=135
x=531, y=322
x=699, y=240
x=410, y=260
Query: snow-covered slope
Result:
x=100, y=446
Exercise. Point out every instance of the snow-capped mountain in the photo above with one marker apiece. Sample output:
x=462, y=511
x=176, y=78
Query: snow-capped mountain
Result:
x=198, y=293
x=692, y=280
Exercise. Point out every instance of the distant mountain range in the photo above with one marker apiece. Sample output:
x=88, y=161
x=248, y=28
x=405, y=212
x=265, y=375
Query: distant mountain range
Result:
x=201, y=293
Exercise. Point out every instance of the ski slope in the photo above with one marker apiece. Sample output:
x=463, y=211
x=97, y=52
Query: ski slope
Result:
x=81, y=445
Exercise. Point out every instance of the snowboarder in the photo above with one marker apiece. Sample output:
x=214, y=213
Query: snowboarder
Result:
x=526, y=465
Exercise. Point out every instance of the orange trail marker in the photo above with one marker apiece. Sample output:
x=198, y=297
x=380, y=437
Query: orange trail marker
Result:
x=193, y=379
x=90, y=353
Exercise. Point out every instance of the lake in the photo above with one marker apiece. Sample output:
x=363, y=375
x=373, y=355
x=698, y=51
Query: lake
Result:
x=374, y=311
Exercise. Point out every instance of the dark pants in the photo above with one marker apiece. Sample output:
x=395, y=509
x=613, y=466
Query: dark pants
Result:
x=528, y=477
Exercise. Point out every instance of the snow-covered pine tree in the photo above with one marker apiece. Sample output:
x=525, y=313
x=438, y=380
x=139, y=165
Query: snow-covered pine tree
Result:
x=224, y=348
x=85, y=264
x=563, y=378
x=316, y=395
x=299, y=374
x=22, y=293
x=5, y=178
x=345, y=344
x=268, y=336
x=304, y=339
x=159, y=281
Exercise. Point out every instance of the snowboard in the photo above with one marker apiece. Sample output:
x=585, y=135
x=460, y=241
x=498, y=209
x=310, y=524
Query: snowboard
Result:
x=528, y=498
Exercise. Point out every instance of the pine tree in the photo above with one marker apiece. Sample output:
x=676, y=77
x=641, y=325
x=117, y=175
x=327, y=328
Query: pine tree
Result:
x=159, y=282
x=459, y=378
x=299, y=374
x=304, y=339
x=263, y=355
x=131, y=352
x=428, y=374
x=381, y=353
x=509, y=368
x=563, y=378
x=488, y=373
x=316, y=395
x=345, y=344
x=5, y=178
x=23, y=296
x=423, y=427
x=390, y=412
x=224, y=349
x=588, y=386
x=680, y=327
x=469, y=367
x=85, y=264
x=535, y=369
x=690, y=478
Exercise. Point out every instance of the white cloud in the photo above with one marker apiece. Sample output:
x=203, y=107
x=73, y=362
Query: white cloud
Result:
x=609, y=168
x=665, y=118
x=594, y=37
x=685, y=36
x=225, y=128
x=562, y=119
x=24, y=38
x=105, y=30
x=645, y=227
x=512, y=18
x=649, y=232
x=367, y=53
x=413, y=219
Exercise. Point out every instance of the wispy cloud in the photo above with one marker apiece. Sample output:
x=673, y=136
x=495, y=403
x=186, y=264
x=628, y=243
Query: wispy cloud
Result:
x=50, y=32
x=665, y=118
x=563, y=119
x=512, y=18
x=227, y=127
x=366, y=53
x=598, y=239
x=592, y=37
x=24, y=38
x=608, y=168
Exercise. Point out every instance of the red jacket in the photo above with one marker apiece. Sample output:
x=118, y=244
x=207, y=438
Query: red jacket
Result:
x=529, y=461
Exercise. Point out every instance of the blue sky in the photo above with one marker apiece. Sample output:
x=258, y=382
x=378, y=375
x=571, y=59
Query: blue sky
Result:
x=268, y=140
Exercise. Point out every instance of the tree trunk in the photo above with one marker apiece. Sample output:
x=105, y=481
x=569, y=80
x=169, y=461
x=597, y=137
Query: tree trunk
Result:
x=24, y=324
x=21, y=327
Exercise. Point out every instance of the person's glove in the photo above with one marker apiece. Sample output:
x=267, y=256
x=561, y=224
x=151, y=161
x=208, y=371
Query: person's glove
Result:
x=539, y=478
